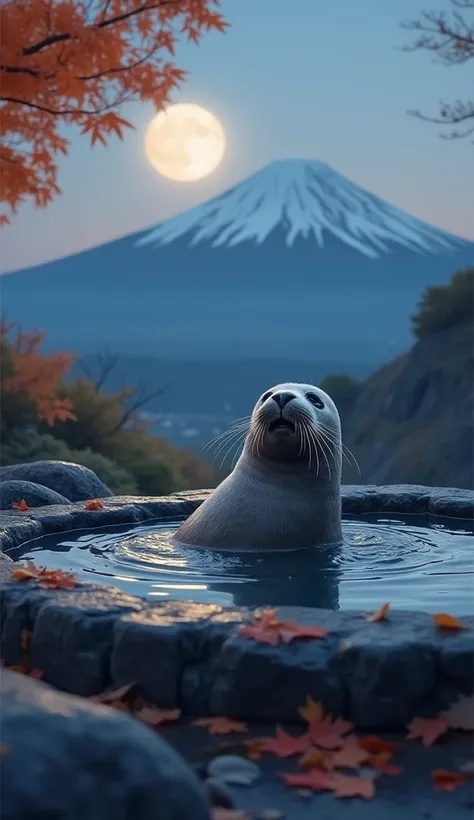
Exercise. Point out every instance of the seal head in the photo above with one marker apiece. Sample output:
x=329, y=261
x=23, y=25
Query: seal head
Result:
x=284, y=492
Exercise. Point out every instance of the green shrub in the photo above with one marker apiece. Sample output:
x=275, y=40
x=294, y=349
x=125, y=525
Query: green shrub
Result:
x=445, y=306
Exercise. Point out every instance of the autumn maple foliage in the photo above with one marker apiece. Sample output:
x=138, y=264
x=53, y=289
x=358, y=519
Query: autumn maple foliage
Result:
x=27, y=371
x=65, y=62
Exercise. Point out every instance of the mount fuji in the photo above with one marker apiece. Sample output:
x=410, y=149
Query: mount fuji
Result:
x=294, y=263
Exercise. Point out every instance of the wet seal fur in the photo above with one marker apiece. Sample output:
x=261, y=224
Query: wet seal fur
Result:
x=285, y=490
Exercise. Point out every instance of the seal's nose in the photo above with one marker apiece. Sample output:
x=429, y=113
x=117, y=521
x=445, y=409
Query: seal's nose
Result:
x=282, y=399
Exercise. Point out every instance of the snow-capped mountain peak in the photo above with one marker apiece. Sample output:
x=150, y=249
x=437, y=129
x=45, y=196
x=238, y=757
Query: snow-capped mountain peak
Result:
x=303, y=198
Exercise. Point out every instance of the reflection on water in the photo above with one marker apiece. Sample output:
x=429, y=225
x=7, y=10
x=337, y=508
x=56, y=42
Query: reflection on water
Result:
x=411, y=562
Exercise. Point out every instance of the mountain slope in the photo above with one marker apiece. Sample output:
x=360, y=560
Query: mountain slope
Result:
x=294, y=263
x=309, y=199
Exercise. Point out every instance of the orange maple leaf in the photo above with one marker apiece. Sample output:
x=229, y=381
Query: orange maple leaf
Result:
x=153, y=716
x=428, y=730
x=21, y=506
x=267, y=629
x=315, y=758
x=221, y=725
x=382, y=761
x=22, y=574
x=292, y=631
x=328, y=733
x=445, y=621
x=350, y=756
x=283, y=744
x=94, y=504
x=379, y=614
x=374, y=744
x=345, y=786
x=315, y=779
x=447, y=781
x=56, y=579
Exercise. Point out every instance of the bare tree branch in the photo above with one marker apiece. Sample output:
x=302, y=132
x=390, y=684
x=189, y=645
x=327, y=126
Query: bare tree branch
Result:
x=139, y=399
x=104, y=364
x=450, y=37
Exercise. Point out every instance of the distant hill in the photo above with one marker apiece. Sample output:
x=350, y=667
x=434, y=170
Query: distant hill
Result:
x=413, y=421
x=296, y=262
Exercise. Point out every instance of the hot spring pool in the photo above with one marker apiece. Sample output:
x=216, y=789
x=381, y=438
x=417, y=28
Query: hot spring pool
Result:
x=410, y=561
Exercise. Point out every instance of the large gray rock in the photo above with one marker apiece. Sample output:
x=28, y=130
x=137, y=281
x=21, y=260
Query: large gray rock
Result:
x=35, y=495
x=66, y=758
x=73, y=481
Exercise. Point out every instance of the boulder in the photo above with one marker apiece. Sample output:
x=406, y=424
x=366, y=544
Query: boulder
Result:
x=84, y=760
x=35, y=495
x=72, y=481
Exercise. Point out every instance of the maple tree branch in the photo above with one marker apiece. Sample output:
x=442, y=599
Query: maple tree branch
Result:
x=141, y=399
x=58, y=38
x=57, y=112
x=119, y=69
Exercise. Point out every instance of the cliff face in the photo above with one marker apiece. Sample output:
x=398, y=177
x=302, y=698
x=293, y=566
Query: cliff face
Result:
x=413, y=420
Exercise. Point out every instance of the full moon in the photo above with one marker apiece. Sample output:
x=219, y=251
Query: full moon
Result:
x=185, y=142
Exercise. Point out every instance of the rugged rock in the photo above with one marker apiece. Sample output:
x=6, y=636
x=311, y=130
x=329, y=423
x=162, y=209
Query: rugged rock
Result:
x=191, y=656
x=72, y=481
x=87, y=761
x=413, y=419
x=35, y=495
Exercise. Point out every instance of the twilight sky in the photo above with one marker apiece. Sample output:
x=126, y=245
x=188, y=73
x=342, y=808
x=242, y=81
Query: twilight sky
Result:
x=324, y=81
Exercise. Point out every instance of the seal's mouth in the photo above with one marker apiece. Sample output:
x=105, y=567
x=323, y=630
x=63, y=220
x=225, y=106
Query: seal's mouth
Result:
x=281, y=424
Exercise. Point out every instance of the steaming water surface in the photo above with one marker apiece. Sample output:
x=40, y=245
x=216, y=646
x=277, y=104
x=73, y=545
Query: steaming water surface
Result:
x=414, y=563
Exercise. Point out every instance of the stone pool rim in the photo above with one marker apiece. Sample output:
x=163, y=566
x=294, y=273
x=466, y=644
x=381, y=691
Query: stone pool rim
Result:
x=379, y=675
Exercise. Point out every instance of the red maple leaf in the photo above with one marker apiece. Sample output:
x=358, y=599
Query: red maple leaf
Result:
x=94, y=504
x=428, y=730
x=379, y=614
x=328, y=733
x=316, y=779
x=344, y=786
x=375, y=744
x=350, y=756
x=221, y=725
x=283, y=744
x=21, y=506
x=447, y=781
x=445, y=621
x=382, y=761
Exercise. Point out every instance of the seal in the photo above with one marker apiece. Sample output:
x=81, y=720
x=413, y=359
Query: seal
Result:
x=285, y=490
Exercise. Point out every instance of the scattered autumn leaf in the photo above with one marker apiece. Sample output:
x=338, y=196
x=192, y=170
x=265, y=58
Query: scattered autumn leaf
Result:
x=315, y=779
x=460, y=714
x=283, y=744
x=374, y=744
x=382, y=762
x=94, y=504
x=447, y=781
x=267, y=629
x=315, y=758
x=221, y=725
x=445, y=621
x=311, y=712
x=379, y=614
x=428, y=730
x=291, y=631
x=328, y=733
x=253, y=749
x=346, y=786
x=21, y=506
x=22, y=574
x=45, y=578
x=350, y=756
x=152, y=716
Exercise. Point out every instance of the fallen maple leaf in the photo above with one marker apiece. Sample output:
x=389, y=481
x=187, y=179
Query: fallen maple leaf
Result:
x=316, y=779
x=311, y=712
x=382, y=761
x=345, y=786
x=221, y=725
x=446, y=781
x=315, y=758
x=328, y=732
x=153, y=716
x=460, y=714
x=253, y=749
x=351, y=756
x=21, y=506
x=374, y=744
x=283, y=744
x=94, y=504
x=292, y=631
x=379, y=614
x=428, y=730
x=260, y=633
x=45, y=578
x=22, y=574
x=445, y=621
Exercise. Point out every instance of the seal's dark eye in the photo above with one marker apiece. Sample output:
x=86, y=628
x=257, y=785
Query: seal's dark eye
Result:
x=315, y=400
x=265, y=397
